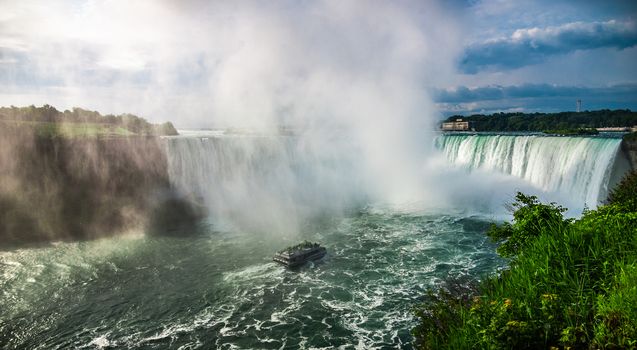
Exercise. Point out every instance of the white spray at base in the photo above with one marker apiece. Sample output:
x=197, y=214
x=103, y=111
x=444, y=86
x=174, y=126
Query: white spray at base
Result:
x=264, y=182
x=275, y=183
x=347, y=77
x=577, y=169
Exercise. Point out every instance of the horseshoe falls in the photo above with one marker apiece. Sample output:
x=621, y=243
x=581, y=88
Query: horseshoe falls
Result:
x=281, y=179
x=215, y=285
x=579, y=167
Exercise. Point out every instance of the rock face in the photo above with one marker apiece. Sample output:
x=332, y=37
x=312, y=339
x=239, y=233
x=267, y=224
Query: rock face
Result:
x=81, y=188
x=629, y=147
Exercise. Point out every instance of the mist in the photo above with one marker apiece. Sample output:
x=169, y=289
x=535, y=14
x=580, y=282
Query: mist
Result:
x=347, y=79
x=216, y=64
x=350, y=81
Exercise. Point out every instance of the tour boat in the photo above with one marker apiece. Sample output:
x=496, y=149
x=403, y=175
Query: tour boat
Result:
x=300, y=254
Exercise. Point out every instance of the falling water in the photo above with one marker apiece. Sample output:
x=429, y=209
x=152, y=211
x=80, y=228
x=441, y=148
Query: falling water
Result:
x=269, y=181
x=578, y=166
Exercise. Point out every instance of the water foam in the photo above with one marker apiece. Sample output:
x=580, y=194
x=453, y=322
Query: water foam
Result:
x=577, y=167
x=257, y=181
x=224, y=291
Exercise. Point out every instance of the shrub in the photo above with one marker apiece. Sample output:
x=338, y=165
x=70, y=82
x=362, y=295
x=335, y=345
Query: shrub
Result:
x=630, y=137
x=165, y=129
x=572, y=284
x=441, y=312
x=616, y=316
x=625, y=193
x=531, y=218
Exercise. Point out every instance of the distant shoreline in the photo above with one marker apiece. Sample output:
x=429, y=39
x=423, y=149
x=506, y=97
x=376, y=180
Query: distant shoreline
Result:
x=49, y=122
x=614, y=135
x=539, y=122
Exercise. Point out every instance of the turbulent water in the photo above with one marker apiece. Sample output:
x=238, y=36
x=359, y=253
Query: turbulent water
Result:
x=219, y=289
x=215, y=286
x=577, y=166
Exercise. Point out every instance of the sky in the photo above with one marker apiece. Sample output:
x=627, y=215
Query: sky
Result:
x=223, y=63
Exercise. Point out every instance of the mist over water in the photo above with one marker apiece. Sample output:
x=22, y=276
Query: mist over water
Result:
x=265, y=183
x=327, y=136
x=221, y=289
x=574, y=171
x=275, y=183
x=217, y=286
x=346, y=78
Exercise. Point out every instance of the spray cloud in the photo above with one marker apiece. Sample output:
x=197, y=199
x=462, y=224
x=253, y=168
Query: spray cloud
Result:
x=350, y=77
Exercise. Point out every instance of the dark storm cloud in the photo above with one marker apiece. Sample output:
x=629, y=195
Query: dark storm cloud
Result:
x=534, y=45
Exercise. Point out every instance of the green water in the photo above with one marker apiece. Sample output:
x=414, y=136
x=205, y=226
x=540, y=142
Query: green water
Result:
x=220, y=289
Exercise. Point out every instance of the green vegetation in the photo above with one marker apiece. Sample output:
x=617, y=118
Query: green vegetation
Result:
x=551, y=121
x=48, y=121
x=570, y=285
x=625, y=194
x=631, y=137
x=580, y=131
x=530, y=219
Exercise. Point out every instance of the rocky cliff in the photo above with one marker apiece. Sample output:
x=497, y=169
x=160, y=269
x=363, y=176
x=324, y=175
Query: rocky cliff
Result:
x=629, y=147
x=57, y=188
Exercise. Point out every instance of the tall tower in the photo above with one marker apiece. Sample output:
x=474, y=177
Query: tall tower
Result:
x=579, y=106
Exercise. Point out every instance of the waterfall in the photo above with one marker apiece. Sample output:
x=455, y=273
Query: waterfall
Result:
x=262, y=181
x=579, y=167
x=277, y=182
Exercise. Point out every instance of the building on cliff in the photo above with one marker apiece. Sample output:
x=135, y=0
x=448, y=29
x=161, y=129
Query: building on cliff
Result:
x=458, y=125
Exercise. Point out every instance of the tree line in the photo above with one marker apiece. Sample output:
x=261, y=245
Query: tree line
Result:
x=49, y=114
x=550, y=121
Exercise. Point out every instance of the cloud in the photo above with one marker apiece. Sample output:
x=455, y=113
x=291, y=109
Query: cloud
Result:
x=220, y=63
x=349, y=67
x=535, y=45
x=533, y=98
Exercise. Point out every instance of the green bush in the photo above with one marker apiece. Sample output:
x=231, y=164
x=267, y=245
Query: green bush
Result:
x=531, y=218
x=518, y=121
x=442, y=312
x=165, y=129
x=572, y=284
x=616, y=325
x=631, y=137
x=578, y=131
x=625, y=194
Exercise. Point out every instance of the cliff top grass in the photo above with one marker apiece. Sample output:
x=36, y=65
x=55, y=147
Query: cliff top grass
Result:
x=71, y=130
x=47, y=121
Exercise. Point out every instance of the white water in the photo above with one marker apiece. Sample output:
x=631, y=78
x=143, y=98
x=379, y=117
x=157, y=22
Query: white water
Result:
x=275, y=183
x=579, y=168
x=264, y=182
